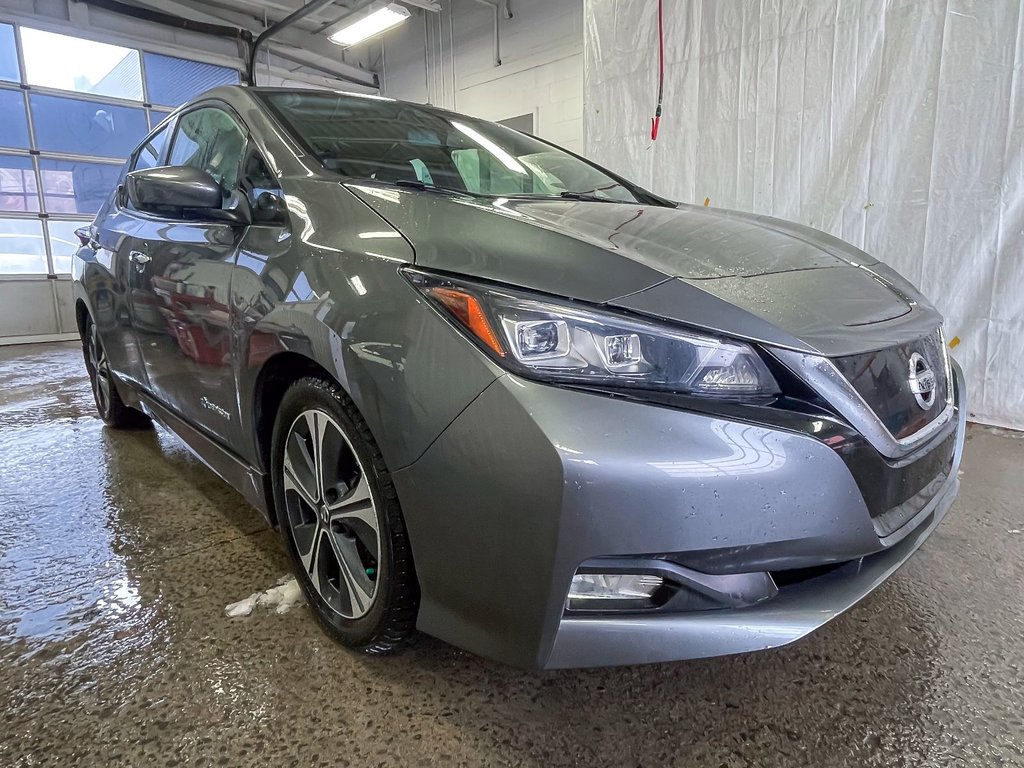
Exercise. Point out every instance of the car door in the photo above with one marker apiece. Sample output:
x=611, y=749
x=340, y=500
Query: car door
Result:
x=116, y=228
x=182, y=273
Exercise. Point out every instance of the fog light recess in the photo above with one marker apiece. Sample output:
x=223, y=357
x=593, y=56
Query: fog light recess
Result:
x=613, y=591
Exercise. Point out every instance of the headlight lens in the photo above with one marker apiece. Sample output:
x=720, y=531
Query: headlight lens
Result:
x=560, y=342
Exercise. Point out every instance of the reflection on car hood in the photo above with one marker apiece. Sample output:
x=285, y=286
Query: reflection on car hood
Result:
x=750, y=276
x=694, y=243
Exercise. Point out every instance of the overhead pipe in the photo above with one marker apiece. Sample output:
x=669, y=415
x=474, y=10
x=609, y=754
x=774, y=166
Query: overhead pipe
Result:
x=426, y=63
x=171, y=20
x=451, y=52
x=311, y=7
x=498, y=6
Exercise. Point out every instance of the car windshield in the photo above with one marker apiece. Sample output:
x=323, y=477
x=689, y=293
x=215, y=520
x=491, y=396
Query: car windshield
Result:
x=375, y=138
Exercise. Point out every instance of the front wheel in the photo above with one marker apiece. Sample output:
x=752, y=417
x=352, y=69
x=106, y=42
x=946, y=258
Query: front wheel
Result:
x=109, y=405
x=340, y=520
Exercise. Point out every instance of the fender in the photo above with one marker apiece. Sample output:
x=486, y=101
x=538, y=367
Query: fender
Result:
x=325, y=294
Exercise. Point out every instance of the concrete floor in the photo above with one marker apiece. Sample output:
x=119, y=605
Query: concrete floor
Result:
x=119, y=552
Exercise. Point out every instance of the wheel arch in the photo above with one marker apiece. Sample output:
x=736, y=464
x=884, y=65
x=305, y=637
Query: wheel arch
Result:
x=275, y=376
x=82, y=315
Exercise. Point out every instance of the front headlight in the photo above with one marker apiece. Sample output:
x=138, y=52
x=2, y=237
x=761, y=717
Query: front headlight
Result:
x=563, y=342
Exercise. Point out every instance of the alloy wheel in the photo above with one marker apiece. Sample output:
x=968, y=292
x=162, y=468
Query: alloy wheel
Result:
x=101, y=384
x=331, y=514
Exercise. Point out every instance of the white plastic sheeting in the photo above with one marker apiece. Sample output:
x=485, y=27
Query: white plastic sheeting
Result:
x=897, y=125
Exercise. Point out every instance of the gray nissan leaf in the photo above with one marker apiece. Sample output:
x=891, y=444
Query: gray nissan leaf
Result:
x=490, y=391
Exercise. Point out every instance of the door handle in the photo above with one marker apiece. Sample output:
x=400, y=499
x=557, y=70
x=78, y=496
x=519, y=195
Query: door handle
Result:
x=139, y=258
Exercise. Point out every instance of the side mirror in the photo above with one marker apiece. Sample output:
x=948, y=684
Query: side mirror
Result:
x=183, y=192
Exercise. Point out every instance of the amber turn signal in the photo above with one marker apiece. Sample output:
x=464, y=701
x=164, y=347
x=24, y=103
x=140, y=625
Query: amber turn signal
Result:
x=467, y=310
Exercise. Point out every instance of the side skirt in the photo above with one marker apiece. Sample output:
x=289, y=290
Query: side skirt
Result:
x=250, y=482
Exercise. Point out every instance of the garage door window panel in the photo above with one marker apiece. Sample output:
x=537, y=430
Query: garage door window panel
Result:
x=22, y=247
x=86, y=66
x=18, y=184
x=8, y=54
x=81, y=127
x=63, y=243
x=157, y=116
x=73, y=186
x=209, y=139
x=14, y=126
x=173, y=81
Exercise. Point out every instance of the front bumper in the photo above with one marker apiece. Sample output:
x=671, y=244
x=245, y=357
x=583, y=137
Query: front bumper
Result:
x=531, y=481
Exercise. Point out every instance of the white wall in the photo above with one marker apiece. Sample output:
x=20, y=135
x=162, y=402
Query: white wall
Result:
x=541, y=70
x=897, y=125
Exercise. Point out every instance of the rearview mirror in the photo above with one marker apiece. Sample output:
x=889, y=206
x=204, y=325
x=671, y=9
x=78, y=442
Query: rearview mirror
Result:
x=182, y=192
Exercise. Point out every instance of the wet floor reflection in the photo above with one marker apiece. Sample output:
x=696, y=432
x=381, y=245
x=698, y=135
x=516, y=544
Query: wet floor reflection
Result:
x=119, y=551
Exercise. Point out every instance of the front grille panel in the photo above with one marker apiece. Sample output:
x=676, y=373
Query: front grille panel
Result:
x=882, y=379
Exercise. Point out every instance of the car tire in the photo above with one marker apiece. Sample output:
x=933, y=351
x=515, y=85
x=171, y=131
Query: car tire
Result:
x=340, y=520
x=109, y=405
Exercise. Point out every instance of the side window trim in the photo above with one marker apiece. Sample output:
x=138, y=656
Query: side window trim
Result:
x=170, y=126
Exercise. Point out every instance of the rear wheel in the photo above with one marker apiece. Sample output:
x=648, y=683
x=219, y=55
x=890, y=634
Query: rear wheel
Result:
x=109, y=405
x=341, y=521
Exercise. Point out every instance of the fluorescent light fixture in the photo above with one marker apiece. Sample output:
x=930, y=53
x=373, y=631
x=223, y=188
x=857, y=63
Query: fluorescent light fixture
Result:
x=373, y=24
x=506, y=159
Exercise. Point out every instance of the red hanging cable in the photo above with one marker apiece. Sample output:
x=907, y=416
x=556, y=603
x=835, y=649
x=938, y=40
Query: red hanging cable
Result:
x=656, y=120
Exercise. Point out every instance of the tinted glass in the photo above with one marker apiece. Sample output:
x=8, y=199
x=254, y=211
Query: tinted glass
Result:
x=8, y=54
x=70, y=186
x=17, y=184
x=63, y=243
x=209, y=139
x=84, y=127
x=152, y=152
x=22, y=250
x=173, y=81
x=374, y=138
x=14, y=125
x=77, y=64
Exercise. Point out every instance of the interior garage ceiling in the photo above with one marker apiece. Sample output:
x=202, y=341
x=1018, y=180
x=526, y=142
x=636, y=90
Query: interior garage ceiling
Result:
x=303, y=47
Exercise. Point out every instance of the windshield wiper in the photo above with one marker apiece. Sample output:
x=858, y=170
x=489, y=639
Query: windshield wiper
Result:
x=416, y=184
x=587, y=197
x=567, y=195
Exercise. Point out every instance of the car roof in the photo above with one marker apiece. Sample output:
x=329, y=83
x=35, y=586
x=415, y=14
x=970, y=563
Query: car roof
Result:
x=234, y=91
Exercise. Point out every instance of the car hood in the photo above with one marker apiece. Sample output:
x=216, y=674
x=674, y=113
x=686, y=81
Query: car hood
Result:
x=749, y=276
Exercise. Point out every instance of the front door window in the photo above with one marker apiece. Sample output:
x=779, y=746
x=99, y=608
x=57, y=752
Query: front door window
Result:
x=211, y=140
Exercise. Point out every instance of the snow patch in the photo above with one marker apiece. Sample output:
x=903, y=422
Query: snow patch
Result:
x=282, y=598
